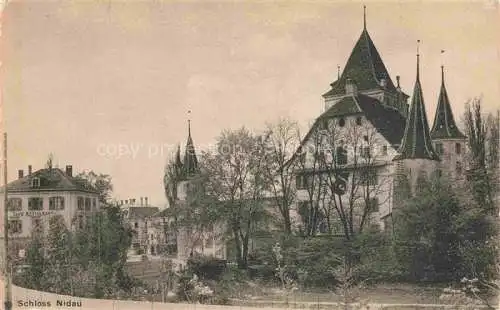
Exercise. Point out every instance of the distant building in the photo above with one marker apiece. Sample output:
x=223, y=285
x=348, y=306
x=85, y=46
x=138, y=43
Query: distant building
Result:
x=36, y=197
x=147, y=226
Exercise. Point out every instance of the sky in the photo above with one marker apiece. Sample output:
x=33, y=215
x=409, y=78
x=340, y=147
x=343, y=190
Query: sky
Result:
x=107, y=85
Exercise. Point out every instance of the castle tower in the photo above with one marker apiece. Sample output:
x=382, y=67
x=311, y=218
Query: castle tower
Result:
x=416, y=152
x=367, y=71
x=449, y=141
x=188, y=168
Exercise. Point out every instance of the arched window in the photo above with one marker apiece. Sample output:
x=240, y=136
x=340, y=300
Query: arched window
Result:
x=341, y=122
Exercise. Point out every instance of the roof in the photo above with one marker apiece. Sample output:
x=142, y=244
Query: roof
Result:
x=189, y=166
x=365, y=67
x=416, y=142
x=142, y=212
x=386, y=120
x=51, y=179
x=444, y=124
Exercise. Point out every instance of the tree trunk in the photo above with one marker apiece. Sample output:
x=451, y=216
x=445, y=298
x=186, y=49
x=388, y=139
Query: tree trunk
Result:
x=237, y=243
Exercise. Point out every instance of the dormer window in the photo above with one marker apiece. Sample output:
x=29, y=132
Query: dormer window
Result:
x=35, y=182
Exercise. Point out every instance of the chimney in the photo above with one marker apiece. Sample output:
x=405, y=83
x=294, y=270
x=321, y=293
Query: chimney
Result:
x=69, y=170
x=121, y=202
x=142, y=201
x=397, y=79
x=20, y=173
x=29, y=169
x=126, y=202
x=146, y=201
x=351, y=88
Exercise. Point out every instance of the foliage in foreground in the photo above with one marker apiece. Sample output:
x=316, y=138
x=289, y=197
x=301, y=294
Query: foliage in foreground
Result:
x=87, y=262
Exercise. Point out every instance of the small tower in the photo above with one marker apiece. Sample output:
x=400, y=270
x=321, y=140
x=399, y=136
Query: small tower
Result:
x=416, y=152
x=188, y=168
x=449, y=141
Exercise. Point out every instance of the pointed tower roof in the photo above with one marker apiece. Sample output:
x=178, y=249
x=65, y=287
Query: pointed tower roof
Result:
x=444, y=124
x=178, y=162
x=416, y=142
x=365, y=67
x=190, y=160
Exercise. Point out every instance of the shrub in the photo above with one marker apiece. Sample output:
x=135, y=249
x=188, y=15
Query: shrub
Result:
x=206, y=267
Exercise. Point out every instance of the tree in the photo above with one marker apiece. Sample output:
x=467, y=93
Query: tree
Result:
x=34, y=276
x=235, y=179
x=483, y=142
x=100, y=182
x=347, y=179
x=281, y=140
x=58, y=255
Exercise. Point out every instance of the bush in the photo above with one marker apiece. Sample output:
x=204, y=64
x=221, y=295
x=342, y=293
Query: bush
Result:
x=206, y=267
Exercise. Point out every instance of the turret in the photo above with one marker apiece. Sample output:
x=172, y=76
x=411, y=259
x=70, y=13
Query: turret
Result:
x=449, y=141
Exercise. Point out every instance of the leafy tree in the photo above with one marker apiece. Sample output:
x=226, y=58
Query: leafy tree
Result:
x=100, y=182
x=34, y=276
x=58, y=255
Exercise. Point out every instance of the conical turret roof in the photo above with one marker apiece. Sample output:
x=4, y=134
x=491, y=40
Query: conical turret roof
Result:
x=416, y=142
x=444, y=124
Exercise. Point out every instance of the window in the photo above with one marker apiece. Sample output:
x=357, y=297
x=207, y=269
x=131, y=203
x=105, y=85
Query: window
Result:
x=94, y=203
x=56, y=203
x=341, y=158
x=369, y=177
x=320, y=156
x=359, y=120
x=88, y=203
x=458, y=148
x=439, y=148
x=384, y=150
x=324, y=124
x=35, y=203
x=80, y=221
x=15, y=204
x=458, y=167
x=365, y=138
x=439, y=173
x=136, y=225
x=373, y=204
x=37, y=225
x=35, y=182
x=365, y=152
x=342, y=122
x=15, y=226
x=80, y=203
x=302, y=159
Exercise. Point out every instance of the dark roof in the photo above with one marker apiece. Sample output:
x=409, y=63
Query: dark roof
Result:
x=365, y=67
x=190, y=163
x=142, y=212
x=416, y=142
x=444, y=124
x=51, y=179
x=386, y=120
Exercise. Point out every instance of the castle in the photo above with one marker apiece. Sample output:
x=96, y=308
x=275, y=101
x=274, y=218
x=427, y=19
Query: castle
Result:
x=368, y=131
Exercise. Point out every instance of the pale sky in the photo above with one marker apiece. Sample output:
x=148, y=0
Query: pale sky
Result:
x=83, y=78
